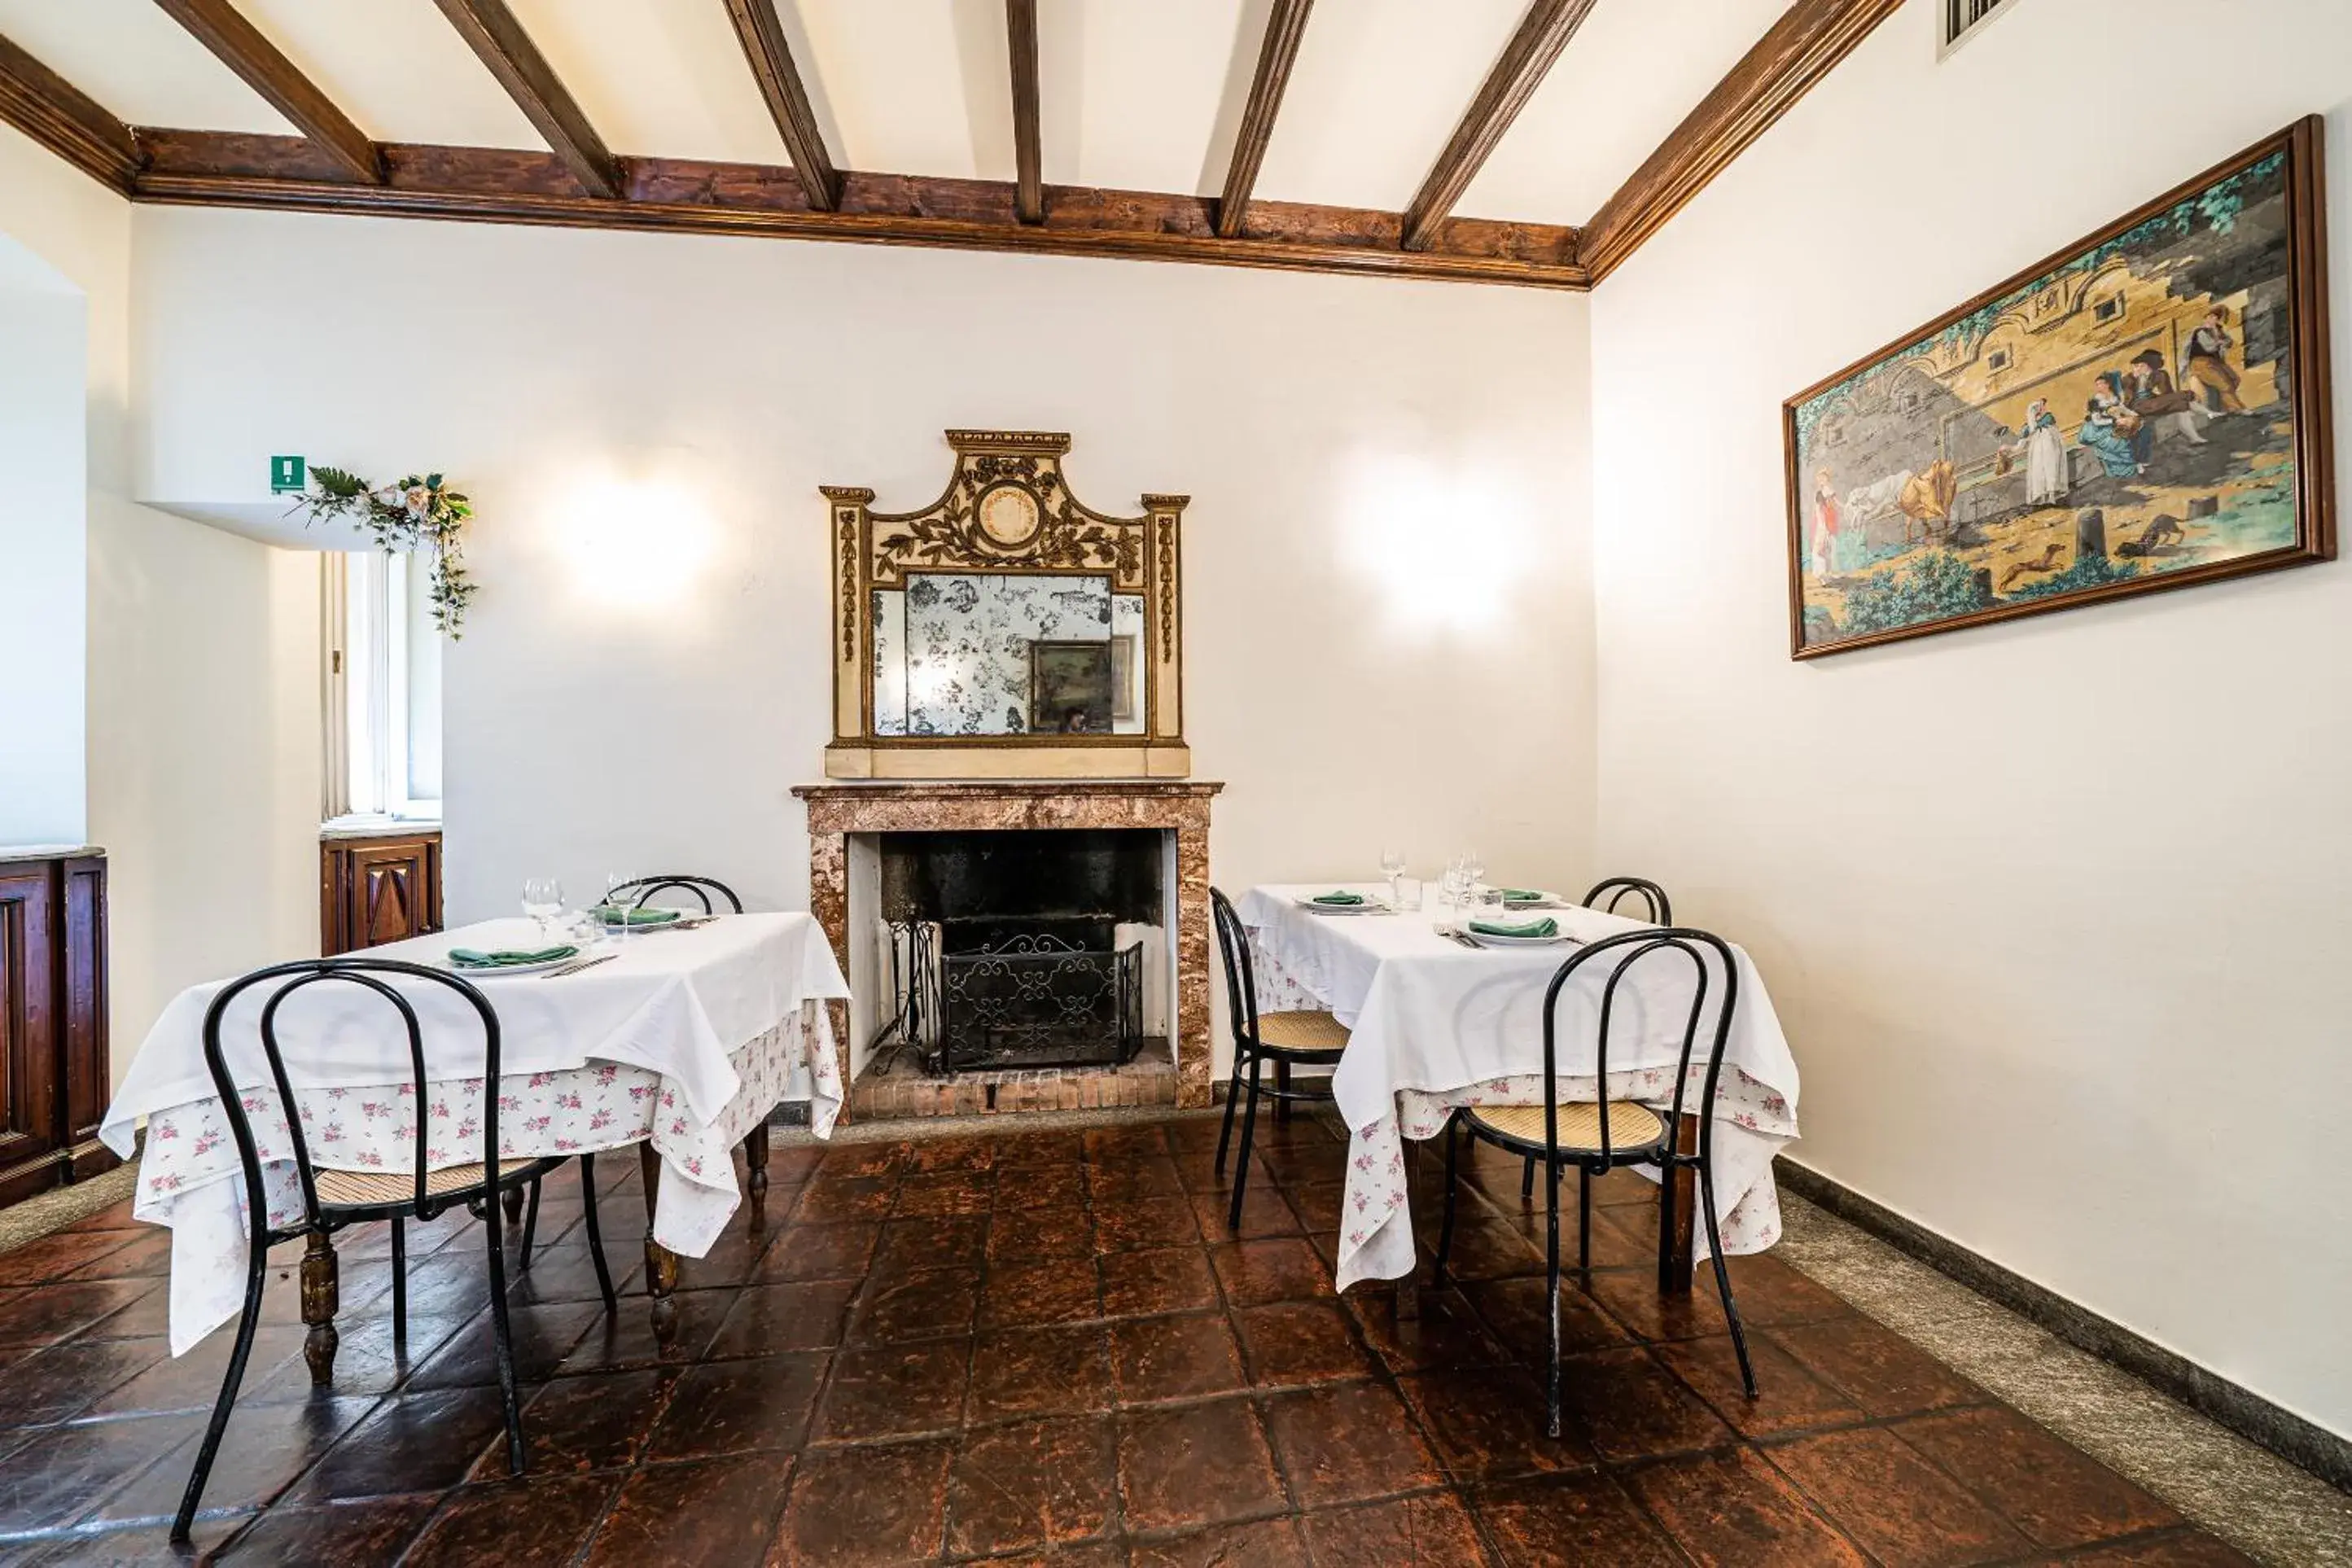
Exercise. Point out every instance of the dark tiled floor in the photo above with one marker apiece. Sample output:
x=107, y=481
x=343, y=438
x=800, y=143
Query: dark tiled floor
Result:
x=1040, y=1348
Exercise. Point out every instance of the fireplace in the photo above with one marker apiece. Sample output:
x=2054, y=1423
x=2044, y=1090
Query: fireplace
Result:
x=1020, y=949
x=1016, y=944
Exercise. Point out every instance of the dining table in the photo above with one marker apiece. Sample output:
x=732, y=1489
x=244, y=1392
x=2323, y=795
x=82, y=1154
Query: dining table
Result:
x=1437, y=1022
x=680, y=1042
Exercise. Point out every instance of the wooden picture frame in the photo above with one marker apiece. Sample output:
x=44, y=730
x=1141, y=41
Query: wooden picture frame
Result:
x=1935, y=484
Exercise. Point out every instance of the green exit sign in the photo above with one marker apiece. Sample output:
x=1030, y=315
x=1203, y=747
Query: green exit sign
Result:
x=288, y=474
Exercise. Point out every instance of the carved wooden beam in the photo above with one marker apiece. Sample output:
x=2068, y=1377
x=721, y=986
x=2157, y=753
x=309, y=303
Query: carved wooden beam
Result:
x=1807, y=41
x=1028, y=159
x=1542, y=34
x=494, y=34
x=757, y=25
x=1286, y=25
x=222, y=29
x=54, y=112
x=220, y=169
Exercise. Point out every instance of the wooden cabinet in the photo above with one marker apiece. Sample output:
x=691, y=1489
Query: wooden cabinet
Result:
x=54, y=1081
x=378, y=890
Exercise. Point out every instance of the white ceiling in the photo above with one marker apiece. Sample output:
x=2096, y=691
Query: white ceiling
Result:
x=1136, y=94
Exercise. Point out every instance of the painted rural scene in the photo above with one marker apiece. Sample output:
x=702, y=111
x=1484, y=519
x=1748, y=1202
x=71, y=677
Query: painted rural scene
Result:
x=2127, y=414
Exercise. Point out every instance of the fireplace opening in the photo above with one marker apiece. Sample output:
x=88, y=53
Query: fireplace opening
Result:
x=1020, y=948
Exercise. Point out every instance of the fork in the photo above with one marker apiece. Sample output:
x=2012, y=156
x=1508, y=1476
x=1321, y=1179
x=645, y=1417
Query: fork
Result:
x=575, y=966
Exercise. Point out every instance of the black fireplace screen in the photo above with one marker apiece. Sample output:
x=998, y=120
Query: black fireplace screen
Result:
x=1030, y=999
x=1005, y=949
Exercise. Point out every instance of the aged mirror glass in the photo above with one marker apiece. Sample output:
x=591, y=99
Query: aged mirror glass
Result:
x=1006, y=653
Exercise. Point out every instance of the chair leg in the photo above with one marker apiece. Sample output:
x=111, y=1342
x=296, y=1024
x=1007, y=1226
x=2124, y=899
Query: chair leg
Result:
x=257, y=1271
x=502, y=1333
x=1282, y=1083
x=1584, y=1226
x=1723, y=1275
x=595, y=1236
x=1249, y=1130
x=1446, y=1230
x=1528, y=1180
x=1233, y=1098
x=1551, y=1292
x=529, y=1225
x=1667, y=1228
x=400, y=1282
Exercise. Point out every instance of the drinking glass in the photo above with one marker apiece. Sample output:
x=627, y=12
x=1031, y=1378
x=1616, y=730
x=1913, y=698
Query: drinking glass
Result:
x=617, y=900
x=1392, y=868
x=542, y=900
x=1473, y=870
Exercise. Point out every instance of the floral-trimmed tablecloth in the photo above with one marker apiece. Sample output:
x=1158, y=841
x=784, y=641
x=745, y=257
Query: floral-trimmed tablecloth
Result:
x=189, y=1177
x=1433, y=1023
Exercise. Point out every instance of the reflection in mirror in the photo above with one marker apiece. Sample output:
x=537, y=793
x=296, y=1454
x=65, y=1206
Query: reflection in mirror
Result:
x=1011, y=653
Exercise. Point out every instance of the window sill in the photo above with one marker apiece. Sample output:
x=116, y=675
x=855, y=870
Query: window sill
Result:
x=369, y=825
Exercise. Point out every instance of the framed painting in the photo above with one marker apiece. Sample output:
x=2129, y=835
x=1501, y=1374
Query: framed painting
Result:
x=1069, y=688
x=2147, y=409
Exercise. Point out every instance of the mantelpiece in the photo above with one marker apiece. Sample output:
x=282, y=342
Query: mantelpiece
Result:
x=837, y=812
x=1006, y=631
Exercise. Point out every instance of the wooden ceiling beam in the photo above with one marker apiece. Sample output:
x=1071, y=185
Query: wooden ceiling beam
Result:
x=1805, y=46
x=1286, y=25
x=492, y=32
x=681, y=196
x=1028, y=155
x=771, y=56
x=221, y=27
x=1542, y=34
x=58, y=115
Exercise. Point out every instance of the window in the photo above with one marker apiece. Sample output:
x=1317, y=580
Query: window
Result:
x=2110, y=309
x=1998, y=360
x=383, y=673
x=1964, y=18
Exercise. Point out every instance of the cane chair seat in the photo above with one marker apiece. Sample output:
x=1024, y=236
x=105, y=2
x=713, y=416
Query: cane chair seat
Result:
x=1631, y=1126
x=359, y=1188
x=1301, y=1031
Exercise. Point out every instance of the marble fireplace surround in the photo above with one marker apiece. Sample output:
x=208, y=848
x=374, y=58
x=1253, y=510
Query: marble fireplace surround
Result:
x=1180, y=807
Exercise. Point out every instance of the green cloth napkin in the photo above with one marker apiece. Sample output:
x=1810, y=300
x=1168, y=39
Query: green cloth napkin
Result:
x=475, y=958
x=1522, y=896
x=1338, y=898
x=1544, y=927
x=613, y=917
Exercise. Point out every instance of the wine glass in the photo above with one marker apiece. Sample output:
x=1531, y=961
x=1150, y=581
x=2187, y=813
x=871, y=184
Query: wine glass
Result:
x=1392, y=868
x=616, y=901
x=542, y=900
x=1473, y=872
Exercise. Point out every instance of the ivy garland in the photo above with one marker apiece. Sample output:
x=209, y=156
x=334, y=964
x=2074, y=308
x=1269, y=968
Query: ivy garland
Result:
x=418, y=513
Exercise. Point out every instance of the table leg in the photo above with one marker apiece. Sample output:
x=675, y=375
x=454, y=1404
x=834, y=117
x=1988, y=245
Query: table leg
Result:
x=755, y=1159
x=1677, y=1277
x=661, y=1263
x=320, y=1301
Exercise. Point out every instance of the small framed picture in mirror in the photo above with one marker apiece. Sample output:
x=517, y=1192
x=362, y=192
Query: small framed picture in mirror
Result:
x=1070, y=688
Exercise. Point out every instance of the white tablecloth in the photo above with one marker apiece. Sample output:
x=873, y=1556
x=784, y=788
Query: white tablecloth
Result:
x=1435, y=1025
x=688, y=1039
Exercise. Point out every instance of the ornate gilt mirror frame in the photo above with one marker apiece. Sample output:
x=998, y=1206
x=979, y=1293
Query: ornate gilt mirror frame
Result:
x=1006, y=510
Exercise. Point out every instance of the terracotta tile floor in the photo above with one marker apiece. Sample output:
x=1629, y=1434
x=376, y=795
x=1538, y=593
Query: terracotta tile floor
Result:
x=1035, y=1348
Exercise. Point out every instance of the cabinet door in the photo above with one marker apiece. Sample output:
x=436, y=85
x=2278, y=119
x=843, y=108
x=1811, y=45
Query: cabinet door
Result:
x=28, y=1031
x=391, y=887
x=88, y=1082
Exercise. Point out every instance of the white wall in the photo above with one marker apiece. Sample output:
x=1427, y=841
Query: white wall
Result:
x=2055, y=911
x=180, y=662
x=1387, y=613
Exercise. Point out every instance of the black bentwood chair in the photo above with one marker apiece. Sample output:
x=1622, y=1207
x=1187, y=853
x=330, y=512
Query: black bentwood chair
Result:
x=1655, y=908
x=645, y=887
x=334, y=1199
x=1286, y=1040
x=1597, y=1137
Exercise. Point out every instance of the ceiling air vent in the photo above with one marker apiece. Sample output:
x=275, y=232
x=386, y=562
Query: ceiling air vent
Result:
x=1963, y=20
